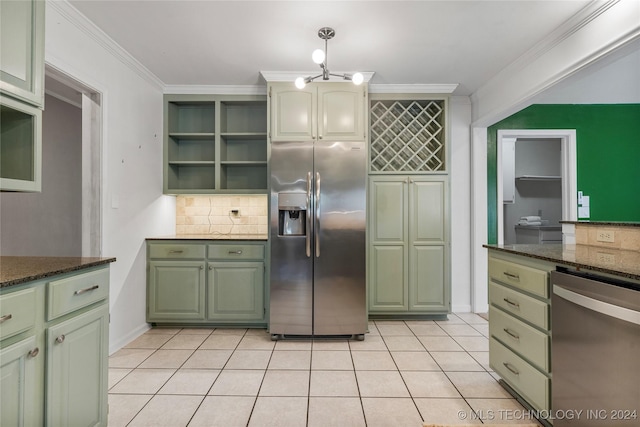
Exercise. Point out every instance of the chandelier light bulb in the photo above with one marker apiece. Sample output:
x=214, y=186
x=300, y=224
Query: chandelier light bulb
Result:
x=300, y=83
x=318, y=56
x=357, y=78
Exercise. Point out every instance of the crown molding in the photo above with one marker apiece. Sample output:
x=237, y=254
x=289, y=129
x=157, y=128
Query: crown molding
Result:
x=606, y=25
x=71, y=14
x=215, y=90
x=413, y=88
x=291, y=76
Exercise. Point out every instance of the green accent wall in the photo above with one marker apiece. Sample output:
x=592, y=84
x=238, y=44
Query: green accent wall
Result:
x=608, y=155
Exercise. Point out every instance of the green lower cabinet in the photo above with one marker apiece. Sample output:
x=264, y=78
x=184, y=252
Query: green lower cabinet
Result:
x=77, y=366
x=235, y=291
x=176, y=291
x=19, y=384
x=408, y=245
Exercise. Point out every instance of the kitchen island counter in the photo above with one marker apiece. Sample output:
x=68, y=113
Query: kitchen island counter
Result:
x=617, y=262
x=211, y=237
x=15, y=270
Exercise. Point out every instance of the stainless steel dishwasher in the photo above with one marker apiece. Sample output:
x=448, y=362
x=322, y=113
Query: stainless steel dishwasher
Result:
x=595, y=351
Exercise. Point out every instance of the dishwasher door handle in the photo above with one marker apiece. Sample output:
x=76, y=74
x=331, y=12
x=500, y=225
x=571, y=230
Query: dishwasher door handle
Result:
x=602, y=307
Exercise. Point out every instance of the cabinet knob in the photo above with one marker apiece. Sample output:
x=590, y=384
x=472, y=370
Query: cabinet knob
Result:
x=60, y=339
x=319, y=136
x=202, y=267
x=33, y=353
x=211, y=267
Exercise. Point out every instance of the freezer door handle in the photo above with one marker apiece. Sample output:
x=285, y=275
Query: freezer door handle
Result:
x=308, y=236
x=317, y=227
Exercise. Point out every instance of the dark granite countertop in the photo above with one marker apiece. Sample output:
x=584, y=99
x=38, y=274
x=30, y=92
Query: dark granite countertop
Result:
x=606, y=260
x=21, y=269
x=212, y=237
x=604, y=223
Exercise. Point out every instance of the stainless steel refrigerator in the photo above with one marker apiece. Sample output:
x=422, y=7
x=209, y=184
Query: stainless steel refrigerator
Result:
x=318, y=220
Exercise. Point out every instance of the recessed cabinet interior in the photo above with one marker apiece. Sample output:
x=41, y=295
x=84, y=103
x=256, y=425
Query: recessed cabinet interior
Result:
x=215, y=144
x=327, y=111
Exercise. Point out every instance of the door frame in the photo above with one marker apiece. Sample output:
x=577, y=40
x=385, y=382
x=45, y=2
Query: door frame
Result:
x=92, y=110
x=568, y=168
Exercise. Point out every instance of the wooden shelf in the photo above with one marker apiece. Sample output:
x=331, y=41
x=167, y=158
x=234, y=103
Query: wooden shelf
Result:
x=538, y=178
x=215, y=144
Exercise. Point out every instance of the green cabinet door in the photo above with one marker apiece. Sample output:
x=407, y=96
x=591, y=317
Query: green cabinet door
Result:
x=77, y=367
x=21, y=401
x=176, y=291
x=388, y=281
x=428, y=289
x=341, y=112
x=22, y=50
x=293, y=112
x=236, y=291
x=327, y=111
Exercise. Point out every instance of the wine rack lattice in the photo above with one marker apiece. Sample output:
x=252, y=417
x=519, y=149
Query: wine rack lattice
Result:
x=407, y=136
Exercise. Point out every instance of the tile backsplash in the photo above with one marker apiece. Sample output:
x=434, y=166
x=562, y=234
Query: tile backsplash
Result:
x=213, y=214
x=618, y=237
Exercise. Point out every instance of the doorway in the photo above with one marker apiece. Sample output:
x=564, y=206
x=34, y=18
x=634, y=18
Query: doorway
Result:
x=67, y=88
x=545, y=184
x=64, y=218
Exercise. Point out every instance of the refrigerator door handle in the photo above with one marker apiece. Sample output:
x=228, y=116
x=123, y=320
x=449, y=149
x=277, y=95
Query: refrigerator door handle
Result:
x=317, y=227
x=308, y=233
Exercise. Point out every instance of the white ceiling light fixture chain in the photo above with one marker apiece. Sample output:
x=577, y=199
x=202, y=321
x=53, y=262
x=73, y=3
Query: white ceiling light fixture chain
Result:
x=319, y=56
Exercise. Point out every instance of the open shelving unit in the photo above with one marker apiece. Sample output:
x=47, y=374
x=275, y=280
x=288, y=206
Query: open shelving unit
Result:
x=215, y=144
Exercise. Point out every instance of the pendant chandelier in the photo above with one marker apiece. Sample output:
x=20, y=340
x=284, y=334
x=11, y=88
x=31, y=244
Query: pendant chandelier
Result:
x=319, y=56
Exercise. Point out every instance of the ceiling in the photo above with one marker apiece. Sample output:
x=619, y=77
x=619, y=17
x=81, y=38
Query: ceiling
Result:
x=403, y=42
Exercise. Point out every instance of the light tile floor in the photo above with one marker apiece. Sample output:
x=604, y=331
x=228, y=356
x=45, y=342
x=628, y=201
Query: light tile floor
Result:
x=403, y=374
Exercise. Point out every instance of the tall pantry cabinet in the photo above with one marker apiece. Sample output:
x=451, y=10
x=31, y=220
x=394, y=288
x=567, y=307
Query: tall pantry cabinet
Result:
x=409, y=230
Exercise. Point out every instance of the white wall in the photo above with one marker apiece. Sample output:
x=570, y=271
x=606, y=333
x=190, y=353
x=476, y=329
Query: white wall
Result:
x=133, y=206
x=460, y=152
x=49, y=223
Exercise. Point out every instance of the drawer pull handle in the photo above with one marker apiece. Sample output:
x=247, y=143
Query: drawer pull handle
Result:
x=511, y=276
x=90, y=288
x=238, y=252
x=5, y=318
x=511, y=368
x=176, y=251
x=512, y=334
x=60, y=339
x=508, y=301
x=33, y=353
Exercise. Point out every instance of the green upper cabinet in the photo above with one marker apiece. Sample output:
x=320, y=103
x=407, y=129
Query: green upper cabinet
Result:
x=215, y=144
x=327, y=111
x=22, y=50
x=21, y=94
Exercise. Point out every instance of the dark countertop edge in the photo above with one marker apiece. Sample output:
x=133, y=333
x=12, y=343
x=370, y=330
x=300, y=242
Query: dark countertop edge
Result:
x=601, y=223
x=554, y=260
x=235, y=238
x=55, y=272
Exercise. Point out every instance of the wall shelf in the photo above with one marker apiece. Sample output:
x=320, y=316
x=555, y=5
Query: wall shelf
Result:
x=215, y=144
x=538, y=178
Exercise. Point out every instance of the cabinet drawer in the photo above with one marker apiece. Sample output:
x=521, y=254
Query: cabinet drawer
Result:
x=75, y=292
x=520, y=337
x=524, y=378
x=530, y=309
x=176, y=251
x=17, y=312
x=520, y=276
x=228, y=252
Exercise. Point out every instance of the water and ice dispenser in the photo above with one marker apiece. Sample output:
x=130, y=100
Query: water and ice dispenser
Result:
x=292, y=214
